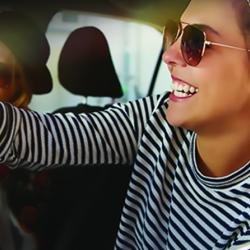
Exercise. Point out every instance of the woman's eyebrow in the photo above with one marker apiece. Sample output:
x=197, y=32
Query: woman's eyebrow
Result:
x=205, y=27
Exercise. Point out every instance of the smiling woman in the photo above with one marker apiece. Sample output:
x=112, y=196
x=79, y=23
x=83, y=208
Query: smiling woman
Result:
x=188, y=149
x=208, y=77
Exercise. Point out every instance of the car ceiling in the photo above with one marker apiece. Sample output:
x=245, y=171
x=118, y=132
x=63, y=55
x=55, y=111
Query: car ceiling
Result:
x=154, y=12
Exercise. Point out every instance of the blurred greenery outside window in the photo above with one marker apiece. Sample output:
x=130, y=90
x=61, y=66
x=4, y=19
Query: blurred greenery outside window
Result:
x=134, y=47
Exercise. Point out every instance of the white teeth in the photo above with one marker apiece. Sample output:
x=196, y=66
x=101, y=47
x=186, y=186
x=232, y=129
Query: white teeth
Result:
x=181, y=94
x=193, y=90
x=186, y=88
x=183, y=90
x=179, y=87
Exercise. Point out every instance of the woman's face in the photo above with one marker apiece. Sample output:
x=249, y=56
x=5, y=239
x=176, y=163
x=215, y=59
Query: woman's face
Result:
x=8, y=86
x=222, y=77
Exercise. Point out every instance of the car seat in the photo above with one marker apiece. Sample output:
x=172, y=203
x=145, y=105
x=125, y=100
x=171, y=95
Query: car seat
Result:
x=86, y=201
x=86, y=68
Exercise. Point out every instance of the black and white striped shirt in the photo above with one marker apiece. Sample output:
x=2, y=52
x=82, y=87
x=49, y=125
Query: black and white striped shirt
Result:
x=169, y=203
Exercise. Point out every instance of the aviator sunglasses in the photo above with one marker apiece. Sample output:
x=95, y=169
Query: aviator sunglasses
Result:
x=193, y=41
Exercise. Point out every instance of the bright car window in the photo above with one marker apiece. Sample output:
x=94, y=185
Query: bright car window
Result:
x=134, y=49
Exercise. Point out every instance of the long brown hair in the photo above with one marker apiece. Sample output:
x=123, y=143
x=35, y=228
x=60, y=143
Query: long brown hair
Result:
x=242, y=10
x=23, y=93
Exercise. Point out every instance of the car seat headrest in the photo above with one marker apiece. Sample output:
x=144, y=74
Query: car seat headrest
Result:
x=85, y=65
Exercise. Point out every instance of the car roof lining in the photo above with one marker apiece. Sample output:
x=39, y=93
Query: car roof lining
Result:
x=152, y=12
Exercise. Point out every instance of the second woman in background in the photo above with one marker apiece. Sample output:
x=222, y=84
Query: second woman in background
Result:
x=22, y=74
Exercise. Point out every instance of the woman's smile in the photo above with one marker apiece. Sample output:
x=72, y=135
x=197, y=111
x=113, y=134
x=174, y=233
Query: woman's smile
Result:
x=182, y=90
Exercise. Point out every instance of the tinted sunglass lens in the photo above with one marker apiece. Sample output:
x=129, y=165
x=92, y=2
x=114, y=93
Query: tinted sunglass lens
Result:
x=192, y=44
x=170, y=34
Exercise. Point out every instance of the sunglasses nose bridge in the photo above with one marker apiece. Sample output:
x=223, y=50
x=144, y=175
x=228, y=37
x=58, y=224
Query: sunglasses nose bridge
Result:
x=171, y=35
x=173, y=55
x=172, y=43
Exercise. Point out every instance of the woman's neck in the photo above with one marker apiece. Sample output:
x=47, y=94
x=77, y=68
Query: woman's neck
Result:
x=224, y=153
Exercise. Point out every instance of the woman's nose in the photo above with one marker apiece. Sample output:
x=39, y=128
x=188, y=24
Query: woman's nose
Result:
x=172, y=55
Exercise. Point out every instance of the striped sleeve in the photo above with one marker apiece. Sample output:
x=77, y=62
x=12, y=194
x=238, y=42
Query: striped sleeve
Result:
x=242, y=238
x=34, y=140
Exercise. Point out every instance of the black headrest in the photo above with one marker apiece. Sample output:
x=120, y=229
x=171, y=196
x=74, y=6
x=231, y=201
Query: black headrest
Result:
x=85, y=65
x=30, y=47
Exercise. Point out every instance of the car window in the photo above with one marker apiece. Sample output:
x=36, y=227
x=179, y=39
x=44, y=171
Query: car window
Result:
x=134, y=47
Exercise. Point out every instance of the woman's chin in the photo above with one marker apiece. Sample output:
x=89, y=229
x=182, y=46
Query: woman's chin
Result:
x=178, y=120
x=174, y=118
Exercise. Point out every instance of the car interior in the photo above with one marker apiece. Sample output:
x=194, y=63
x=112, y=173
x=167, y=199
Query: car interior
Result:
x=73, y=208
x=87, y=48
